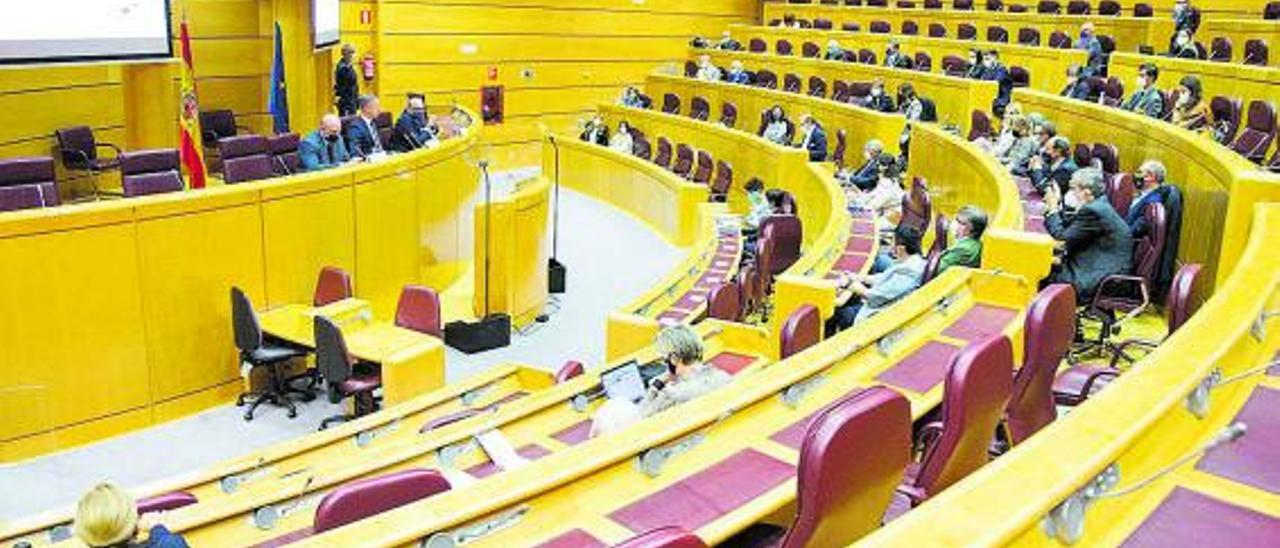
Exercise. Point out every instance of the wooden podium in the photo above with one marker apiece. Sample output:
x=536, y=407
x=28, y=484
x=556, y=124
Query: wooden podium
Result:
x=518, y=251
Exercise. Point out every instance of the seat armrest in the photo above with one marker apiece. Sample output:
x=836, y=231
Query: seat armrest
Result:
x=927, y=438
x=1124, y=346
x=77, y=152
x=1111, y=284
x=1102, y=374
x=114, y=148
x=915, y=494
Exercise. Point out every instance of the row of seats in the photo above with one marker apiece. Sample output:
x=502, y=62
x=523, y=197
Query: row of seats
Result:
x=1071, y=7
x=698, y=166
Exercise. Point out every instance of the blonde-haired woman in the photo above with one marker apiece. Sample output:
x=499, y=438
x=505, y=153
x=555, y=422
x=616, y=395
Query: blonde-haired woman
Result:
x=108, y=517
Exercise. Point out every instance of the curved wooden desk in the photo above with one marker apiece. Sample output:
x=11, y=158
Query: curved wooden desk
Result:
x=124, y=307
x=1232, y=80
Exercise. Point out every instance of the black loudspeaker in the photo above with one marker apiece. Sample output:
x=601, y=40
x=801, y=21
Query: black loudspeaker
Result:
x=492, y=331
x=555, y=276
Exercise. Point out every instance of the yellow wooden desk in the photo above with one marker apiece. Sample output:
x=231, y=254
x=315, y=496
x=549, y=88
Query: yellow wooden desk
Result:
x=412, y=362
x=1230, y=79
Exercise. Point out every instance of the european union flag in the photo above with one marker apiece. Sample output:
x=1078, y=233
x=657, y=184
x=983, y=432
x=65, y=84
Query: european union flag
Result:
x=278, y=101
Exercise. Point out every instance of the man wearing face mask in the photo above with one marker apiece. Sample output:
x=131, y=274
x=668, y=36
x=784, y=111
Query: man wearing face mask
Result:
x=893, y=57
x=976, y=67
x=1185, y=18
x=866, y=177
x=324, y=147
x=994, y=70
x=1183, y=47
x=970, y=223
x=1153, y=189
x=869, y=294
x=1077, y=84
x=413, y=130
x=1089, y=42
x=1059, y=169
x=1096, y=242
x=1147, y=99
x=878, y=100
x=814, y=139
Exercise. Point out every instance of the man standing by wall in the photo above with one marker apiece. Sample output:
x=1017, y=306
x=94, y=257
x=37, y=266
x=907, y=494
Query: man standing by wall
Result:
x=346, y=83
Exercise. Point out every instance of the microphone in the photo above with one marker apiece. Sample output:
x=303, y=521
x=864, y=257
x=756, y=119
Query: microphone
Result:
x=1231, y=434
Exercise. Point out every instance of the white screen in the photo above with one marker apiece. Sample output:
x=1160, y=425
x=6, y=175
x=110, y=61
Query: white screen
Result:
x=325, y=16
x=42, y=31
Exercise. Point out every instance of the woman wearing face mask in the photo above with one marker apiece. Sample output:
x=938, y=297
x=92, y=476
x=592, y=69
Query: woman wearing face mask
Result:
x=1191, y=111
x=622, y=140
x=878, y=100
x=975, y=70
x=1024, y=143
x=885, y=199
x=777, y=128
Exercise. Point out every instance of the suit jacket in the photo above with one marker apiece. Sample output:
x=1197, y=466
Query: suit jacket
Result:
x=1060, y=174
x=315, y=153
x=928, y=110
x=1171, y=198
x=883, y=103
x=1000, y=75
x=1146, y=101
x=1077, y=90
x=740, y=77
x=730, y=45
x=1098, y=244
x=816, y=144
x=1097, y=57
x=361, y=141
x=346, y=86
x=866, y=177
x=412, y=132
x=897, y=60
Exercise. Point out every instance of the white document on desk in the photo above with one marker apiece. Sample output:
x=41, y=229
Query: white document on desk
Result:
x=500, y=450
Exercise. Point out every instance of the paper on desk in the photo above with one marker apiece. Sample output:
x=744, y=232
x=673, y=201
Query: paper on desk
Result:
x=500, y=450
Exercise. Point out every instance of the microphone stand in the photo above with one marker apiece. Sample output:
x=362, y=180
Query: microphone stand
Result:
x=555, y=269
x=488, y=227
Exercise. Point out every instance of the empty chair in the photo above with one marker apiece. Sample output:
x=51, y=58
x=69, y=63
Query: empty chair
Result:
x=933, y=4
x=787, y=233
x=722, y=183
x=1059, y=40
x=1226, y=112
x=1220, y=50
x=640, y=148
x=997, y=34
x=923, y=62
x=967, y=31
x=27, y=183
x=684, y=161
x=1120, y=298
x=851, y=27
x=791, y=83
x=757, y=45
x=917, y=206
x=1107, y=156
x=1076, y=7
x=663, y=157
x=766, y=79
x=17, y=197
x=570, y=370
x=995, y=5
x=822, y=24
x=1017, y=8
x=842, y=144
x=333, y=285
x=979, y=125
x=962, y=4
x=1048, y=329
x=385, y=129
x=1109, y=7
x=419, y=309
x=259, y=352
x=937, y=30
x=663, y=537
x=839, y=91
x=866, y=57
x=1112, y=92
x=906, y=4
x=881, y=27
x=1028, y=36
x=1019, y=76
x=699, y=108
x=802, y=329
x=1120, y=191
x=78, y=149
x=817, y=87
x=728, y=114
x=150, y=172
x=859, y=90
x=216, y=125
x=1259, y=131
x=345, y=376
x=1271, y=11
x=245, y=158
x=810, y=50
x=702, y=173
x=844, y=484
x=690, y=69
x=284, y=153
x=1082, y=154
x=976, y=391
x=671, y=103
x=724, y=302
x=954, y=65
x=782, y=47
x=360, y=499
x=1255, y=52
x=910, y=28
x=1142, y=10
x=1050, y=6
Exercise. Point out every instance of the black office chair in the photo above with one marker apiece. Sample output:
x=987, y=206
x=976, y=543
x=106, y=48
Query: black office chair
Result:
x=258, y=351
x=345, y=378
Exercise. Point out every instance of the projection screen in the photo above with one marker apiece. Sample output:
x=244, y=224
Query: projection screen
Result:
x=325, y=17
x=63, y=31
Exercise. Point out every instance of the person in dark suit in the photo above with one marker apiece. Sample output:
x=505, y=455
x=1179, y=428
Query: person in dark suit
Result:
x=1183, y=47
x=1147, y=99
x=893, y=57
x=865, y=177
x=995, y=71
x=1077, y=84
x=813, y=138
x=1185, y=19
x=362, y=134
x=1096, y=241
x=727, y=42
x=346, y=83
x=324, y=147
x=975, y=70
x=1089, y=42
x=737, y=74
x=413, y=129
x=1152, y=189
x=1058, y=170
x=878, y=100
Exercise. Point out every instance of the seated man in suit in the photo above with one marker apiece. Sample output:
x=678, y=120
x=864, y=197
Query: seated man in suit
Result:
x=813, y=138
x=1059, y=169
x=864, y=178
x=894, y=58
x=737, y=74
x=728, y=43
x=1183, y=47
x=707, y=71
x=324, y=147
x=1096, y=242
x=1153, y=189
x=869, y=294
x=995, y=71
x=1077, y=84
x=1147, y=99
x=362, y=133
x=970, y=223
x=1089, y=42
x=413, y=129
x=878, y=100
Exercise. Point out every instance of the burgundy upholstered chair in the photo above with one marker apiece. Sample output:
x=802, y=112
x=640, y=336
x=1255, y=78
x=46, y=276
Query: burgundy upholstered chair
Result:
x=802, y=329
x=1108, y=157
x=756, y=45
x=284, y=153
x=1050, y=7
x=705, y=167
x=787, y=233
x=1120, y=298
x=166, y=502
x=1220, y=50
x=245, y=158
x=976, y=392
x=880, y=27
x=962, y=4
x=569, y=370
x=690, y=69
x=851, y=27
x=1256, y=52
x=923, y=62
x=671, y=103
x=419, y=310
x=1259, y=132
x=684, y=161
x=967, y=31
x=1019, y=76
x=844, y=484
x=1109, y=7
x=1028, y=36
x=1271, y=12
x=354, y=501
x=979, y=125
x=1142, y=10
x=17, y=197
x=954, y=65
x=997, y=34
x=789, y=206
x=216, y=125
x=640, y=147
x=333, y=285
x=722, y=182
x=1079, y=382
x=699, y=108
x=910, y=28
x=858, y=90
x=728, y=114
x=782, y=47
x=1017, y=8
x=842, y=145
x=817, y=87
x=1112, y=92
x=1059, y=40
x=1120, y=192
x=663, y=156
x=27, y=183
x=1049, y=328
x=810, y=50
x=663, y=537
x=146, y=172
x=766, y=79
x=822, y=24
x=1226, y=113
x=917, y=206
x=933, y=4
x=725, y=302
x=866, y=56
x=937, y=30
x=764, y=274
x=791, y=83
x=1077, y=7
x=995, y=5
x=1082, y=154
x=345, y=376
x=79, y=150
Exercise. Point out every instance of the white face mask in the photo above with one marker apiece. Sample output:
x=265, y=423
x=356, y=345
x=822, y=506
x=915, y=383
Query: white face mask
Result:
x=1071, y=200
x=1184, y=99
x=877, y=92
x=1142, y=82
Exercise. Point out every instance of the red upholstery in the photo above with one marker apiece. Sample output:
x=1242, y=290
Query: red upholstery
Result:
x=1272, y=11
x=1142, y=10
x=1259, y=131
x=940, y=231
x=966, y=31
x=802, y=329
x=809, y=49
x=671, y=103
x=880, y=27
x=728, y=114
x=333, y=285
x=997, y=34
x=1049, y=330
x=665, y=537
x=923, y=62
x=1077, y=7
x=722, y=183
x=910, y=28
x=962, y=4
x=419, y=310
x=842, y=145
x=787, y=235
x=79, y=149
x=1181, y=302
x=1220, y=49
x=1112, y=92
x=705, y=166
x=569, y=370
x=663, y=157
x=817, y=87
x=1050, y=6
x=699, y=108
x=725, y=302
x=1226, y=113
x=1082, y=154
x=822, y=24
x=977, y=390
x=757, y=45
x=791, y=83
x=166, y=502
x=782, y=47
x=917, y=206
x=684, y=160
x=363, y=498
x=1120, y=192
x=1059, y=40
x=752, y=287
x=1029, y=36
x=32, y=196
x=245, y=158
x=150, y=172
x=690, y=69
x=937, y=30
x=1108, y=157
x=284, y=153
x=1019, y=76
x=1256, y=52
x=766, y=79
x=33, y=170
x=979, y=125
x=866, y=57
x=1109, y=7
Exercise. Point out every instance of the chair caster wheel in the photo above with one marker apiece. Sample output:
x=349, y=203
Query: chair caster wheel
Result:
x=248, y=417
x=293, y=413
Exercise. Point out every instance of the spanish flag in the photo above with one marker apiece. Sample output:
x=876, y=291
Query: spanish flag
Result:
x=190, y=148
